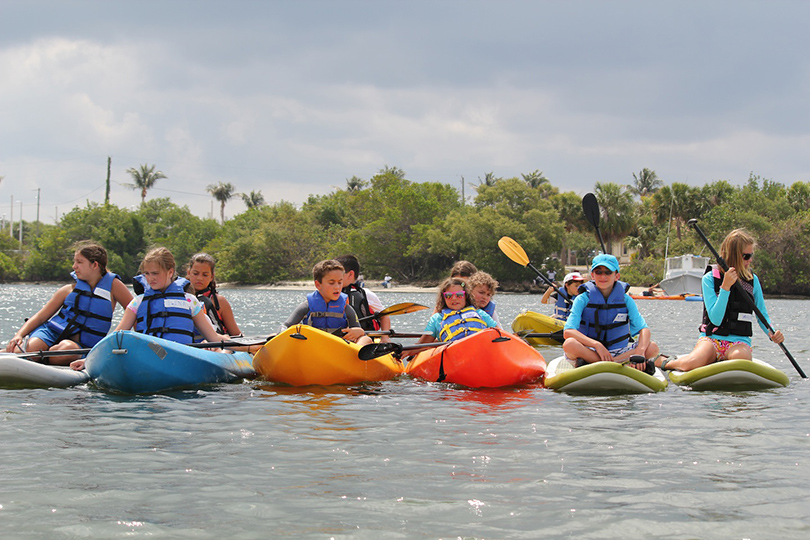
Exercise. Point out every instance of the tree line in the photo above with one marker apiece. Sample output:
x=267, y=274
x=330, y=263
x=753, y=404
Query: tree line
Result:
x=415, y=231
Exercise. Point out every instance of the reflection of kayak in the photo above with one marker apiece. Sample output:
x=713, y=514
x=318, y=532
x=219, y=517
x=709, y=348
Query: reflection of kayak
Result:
x=731, y=375
x=487, y=359
x=16, y=372
x=531, y=321
x=687, y=297
x=134, y=363
x=601, y=378
x=303, y=355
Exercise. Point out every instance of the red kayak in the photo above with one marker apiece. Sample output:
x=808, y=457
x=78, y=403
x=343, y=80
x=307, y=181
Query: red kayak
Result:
x=490, y=358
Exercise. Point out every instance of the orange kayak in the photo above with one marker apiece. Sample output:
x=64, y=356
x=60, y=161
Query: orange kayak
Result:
x=487, y=359
x=687, y=297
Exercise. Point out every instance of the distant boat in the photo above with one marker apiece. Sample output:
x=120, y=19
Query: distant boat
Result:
x=684, y=275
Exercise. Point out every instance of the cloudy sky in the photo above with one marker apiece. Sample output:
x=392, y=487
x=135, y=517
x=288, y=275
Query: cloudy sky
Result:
x=291, y=98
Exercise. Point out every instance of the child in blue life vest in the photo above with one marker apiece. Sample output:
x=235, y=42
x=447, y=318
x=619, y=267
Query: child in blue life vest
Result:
x=727, y=325
x=327, y=308
x=164, y=309
x=77, y=315
x=604, y=317
x=482, y=287
x=563, y=302
x=456, y=315
x=200, y=273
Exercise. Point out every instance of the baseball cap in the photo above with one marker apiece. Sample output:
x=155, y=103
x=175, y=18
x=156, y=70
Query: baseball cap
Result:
x=573, y=276
x=608, y=261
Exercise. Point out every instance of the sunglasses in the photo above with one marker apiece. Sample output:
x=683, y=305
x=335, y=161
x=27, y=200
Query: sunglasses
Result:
x=747, y=256
x=599, y=272
x=457, y=294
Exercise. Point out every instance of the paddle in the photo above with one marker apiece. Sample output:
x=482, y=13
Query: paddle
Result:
x=394, y=333
x=745, y=295
x=375, y=350
x=396, y=309
x=234, y=342
x=558, y=335
x=591, y=208
x=45, y=354
x=517, y=254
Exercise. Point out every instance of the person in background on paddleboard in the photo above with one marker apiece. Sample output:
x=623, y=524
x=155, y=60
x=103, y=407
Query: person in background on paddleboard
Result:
x=200, y=273
x=482, y=287
x=164, y=309
x=77, y=315
x=327, y=308
x=728, y=320
x=364, y=301
x=602, y=319
x=562, y=303
x=456, y=314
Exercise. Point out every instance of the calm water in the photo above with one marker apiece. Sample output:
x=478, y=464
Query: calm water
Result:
x=404, y=459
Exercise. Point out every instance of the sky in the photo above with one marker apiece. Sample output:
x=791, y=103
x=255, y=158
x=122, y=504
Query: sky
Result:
x=292, y=98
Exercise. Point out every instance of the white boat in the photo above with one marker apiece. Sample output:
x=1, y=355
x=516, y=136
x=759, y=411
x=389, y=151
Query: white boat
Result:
x=684, y=275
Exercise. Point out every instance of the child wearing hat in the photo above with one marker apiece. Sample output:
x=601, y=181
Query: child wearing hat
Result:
x=604, y=317
x=562, y=302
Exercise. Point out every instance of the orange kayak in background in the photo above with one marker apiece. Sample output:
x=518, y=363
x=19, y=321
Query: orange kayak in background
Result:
x=490, y=358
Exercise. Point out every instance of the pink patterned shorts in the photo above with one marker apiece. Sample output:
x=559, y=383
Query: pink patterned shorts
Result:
x=721, y=347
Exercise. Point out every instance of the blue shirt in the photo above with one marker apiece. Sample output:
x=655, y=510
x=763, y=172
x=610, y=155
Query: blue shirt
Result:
x=434, y=325
x=716, y=307
x=634, y=318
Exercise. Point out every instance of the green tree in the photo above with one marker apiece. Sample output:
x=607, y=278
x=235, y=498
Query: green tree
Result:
x=646, y=182
x=616, y=207
x=144, y=178
x=223, y=193
x=175, y=228
x=254, y=199
x=355, y=183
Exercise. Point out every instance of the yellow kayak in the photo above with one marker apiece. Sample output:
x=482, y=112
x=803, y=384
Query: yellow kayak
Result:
x=303, y=355
x=531, y=321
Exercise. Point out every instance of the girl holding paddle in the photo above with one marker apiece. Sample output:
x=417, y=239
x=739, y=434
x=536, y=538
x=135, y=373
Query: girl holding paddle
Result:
x=728, y=317
x=77, y=315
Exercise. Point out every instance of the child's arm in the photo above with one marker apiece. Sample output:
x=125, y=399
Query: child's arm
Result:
x=354, y=331
x=297, y=315
x=601, y=350
x=204, y=326
x=120, y=294
x=46, y=312
x=127, y=321
x=546, y=295
x=226, y=312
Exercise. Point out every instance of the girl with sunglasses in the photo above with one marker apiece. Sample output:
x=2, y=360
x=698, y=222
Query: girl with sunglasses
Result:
x=727, y=327
x=456, y=315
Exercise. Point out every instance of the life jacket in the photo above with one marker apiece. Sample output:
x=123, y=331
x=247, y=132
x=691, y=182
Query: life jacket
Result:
x=86, y=311
x=208, y=299
x=562, y=307
x=359, y=302
x=606, y=319
x=739, y=317
x=325, y=316
x=167, y=313
x=489, y=309
x=461, y=323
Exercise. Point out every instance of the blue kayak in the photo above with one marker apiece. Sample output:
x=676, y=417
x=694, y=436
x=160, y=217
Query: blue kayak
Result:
x=133, y=363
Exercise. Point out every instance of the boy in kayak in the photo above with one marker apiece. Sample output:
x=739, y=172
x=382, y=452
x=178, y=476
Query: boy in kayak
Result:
x=562, y=302
x=482, y=288
x=364, y=301
x=327, y=308
x=604, y=317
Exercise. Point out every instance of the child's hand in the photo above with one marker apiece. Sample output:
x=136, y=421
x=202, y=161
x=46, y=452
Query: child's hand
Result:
x=77, y=365
x=777, y=337
x=604, y=354
x=730, y=278
x=353, y=334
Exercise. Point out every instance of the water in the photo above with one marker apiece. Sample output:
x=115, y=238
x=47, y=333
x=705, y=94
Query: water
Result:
x=404, y=459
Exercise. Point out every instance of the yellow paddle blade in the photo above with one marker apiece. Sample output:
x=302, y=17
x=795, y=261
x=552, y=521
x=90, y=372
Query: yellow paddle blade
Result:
x=513, y=250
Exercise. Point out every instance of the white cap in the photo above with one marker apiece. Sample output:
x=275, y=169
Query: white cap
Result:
x=573, y=276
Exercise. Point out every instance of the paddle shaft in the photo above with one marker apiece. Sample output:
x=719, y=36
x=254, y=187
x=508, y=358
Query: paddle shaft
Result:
x=45, y=354
x=748, y=299
x=394, y=333
x=558, y=335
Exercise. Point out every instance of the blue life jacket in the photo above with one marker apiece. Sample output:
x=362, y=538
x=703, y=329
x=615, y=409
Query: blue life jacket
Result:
x=606, y=319
x=86, y=311
x=461, y=323
x=331, y=316
x=165, y=314
x=739, y=317
x=489, y=309
x=562, y=307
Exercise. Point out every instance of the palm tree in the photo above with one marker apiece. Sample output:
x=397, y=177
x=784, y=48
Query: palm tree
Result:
x=254, y=199
x=616, y=207
x=221, y=192
x=355, y=184
x=144, y=178
x=646, y=182
x=535, y=179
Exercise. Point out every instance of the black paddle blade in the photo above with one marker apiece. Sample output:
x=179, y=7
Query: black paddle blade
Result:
x=591, y=209
x=375, y=350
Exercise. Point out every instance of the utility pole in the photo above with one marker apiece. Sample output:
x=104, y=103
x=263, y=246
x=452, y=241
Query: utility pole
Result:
x=39, y=193
x=21, y=231
x=11, y=219
x=463, y=198
x=107, y=195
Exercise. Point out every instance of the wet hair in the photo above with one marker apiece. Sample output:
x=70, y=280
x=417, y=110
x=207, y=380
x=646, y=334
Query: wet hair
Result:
x=160, y=256
x=732, y=250
x=446, y=284
x=205, y=258
x=463, y=269
x=93, y=253
x=324, y=267
x=349, y=263
x=482, y=278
